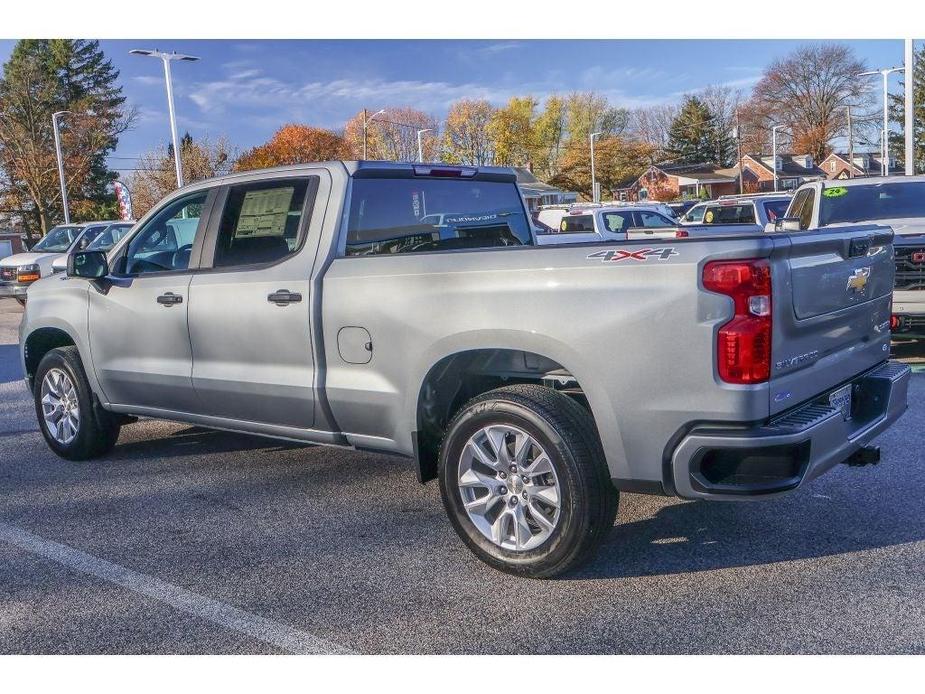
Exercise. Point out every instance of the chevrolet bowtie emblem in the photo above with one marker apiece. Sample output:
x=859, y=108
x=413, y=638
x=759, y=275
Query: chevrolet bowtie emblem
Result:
x=858, y=280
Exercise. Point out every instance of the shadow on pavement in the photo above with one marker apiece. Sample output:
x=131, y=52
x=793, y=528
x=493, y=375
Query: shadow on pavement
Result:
x=10, y=370
x=196, y=441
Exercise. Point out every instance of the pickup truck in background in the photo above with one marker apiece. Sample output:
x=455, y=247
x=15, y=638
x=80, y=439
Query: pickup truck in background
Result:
x=597, y=223
x=19, y=271
x=99, y=236
x=405, y=309
x=894, y=201
x=759, y=210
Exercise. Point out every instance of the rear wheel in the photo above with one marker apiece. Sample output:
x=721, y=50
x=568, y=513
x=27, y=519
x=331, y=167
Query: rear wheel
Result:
x=524, y=482
x=73, y=424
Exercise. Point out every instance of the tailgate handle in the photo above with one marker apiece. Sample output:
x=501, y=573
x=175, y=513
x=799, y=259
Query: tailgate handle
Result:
x=858, y=247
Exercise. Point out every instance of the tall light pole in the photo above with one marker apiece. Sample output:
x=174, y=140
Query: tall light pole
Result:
x=909, y=120
x=166, y=58
x=60, y=157
x=884, y=135
x=366, y=122
x=420, y=145
x=594, y=195
x=774, y=130
x=54, y=125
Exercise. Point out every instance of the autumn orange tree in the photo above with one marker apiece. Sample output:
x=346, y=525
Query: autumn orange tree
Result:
x=294, y=144
x=616, y=159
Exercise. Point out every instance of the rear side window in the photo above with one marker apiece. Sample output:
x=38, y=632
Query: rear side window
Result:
x=408, y=215
x=261, y=222
x=743, y=213
x=576, y=224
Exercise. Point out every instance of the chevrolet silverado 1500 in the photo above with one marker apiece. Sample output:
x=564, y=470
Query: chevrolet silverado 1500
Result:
x=406, y=309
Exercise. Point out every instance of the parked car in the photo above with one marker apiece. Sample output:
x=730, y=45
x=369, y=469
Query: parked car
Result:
x=310, y=303
x=106, y=233
x=19, y=271
x=758, y=210
x=897, y=201
x=606, y=223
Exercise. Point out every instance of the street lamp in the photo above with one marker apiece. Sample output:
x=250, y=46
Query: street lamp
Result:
x=884, y=135
x=420, y=147
x=594, y=194
x=366, y=122
x=166, y=58
x=57, y=132
x=774, y=130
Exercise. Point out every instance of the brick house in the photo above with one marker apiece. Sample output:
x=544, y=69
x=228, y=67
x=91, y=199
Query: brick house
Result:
x=11, y=243
x=537, y=193
x=837, y=165
x=673, y=181
x=792, y=171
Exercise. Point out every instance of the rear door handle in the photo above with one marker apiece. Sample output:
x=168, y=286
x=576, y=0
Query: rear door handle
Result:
x=281, y=297
x=169, y=299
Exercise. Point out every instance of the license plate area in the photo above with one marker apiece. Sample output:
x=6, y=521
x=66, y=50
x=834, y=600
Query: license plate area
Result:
x=841, y=400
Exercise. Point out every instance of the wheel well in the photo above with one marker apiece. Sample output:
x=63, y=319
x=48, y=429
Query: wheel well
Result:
x=40, y=343
x=456, y=379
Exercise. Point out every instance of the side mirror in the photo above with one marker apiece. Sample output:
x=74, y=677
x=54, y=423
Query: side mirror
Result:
x=91, y=265
x=787, y=224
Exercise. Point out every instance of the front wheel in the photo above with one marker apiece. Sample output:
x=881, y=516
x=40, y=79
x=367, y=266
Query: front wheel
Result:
x=524, y=482
x=74, y=426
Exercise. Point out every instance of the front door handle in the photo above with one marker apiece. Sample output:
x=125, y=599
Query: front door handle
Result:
x=169, y=299
x=281, y=297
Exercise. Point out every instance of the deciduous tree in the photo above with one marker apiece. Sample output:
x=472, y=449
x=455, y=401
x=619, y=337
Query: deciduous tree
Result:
x=466, y=136
x=393, y=135
x=43, y=77
x=616, y=160
x=808, y=91
x=294, y=144
x=156, y=177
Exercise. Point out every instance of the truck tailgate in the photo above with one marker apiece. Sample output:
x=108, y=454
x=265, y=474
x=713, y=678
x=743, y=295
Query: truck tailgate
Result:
x=832, y=310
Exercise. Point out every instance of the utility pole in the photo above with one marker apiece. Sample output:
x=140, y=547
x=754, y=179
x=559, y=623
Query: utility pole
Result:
x=739, y=152
x=420, y=144
x=850, y=144
x=594, y=195
x=910, y=120
x=885, y=134
x=54, y=125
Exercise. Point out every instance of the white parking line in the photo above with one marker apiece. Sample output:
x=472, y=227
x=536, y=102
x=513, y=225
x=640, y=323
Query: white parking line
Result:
x=228, y=616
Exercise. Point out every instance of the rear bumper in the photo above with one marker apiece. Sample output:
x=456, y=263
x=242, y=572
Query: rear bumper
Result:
x=719, y=462
x=13, y=289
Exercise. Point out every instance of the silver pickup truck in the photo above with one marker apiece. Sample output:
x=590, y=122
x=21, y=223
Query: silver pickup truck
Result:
x=406, y=309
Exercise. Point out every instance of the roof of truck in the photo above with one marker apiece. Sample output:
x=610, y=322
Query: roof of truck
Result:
x=870, y=180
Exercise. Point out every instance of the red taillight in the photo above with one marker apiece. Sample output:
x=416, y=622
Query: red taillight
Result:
x=743, y=345
x=895, y=322
x=445, y=171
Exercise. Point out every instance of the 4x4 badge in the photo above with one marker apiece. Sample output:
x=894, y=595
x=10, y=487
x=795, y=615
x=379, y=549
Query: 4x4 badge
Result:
x=642, y=255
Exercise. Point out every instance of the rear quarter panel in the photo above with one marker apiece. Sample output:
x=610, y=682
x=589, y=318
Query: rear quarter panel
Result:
x=635, y=332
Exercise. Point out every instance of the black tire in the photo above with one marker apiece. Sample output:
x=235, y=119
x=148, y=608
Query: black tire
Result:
x=97, y=429
x=22, y=302
x=566, y=431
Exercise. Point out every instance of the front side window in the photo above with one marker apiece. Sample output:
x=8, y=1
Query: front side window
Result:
x=405, y=215
x=58, y=240
x=261, y=222
x=165, y=243
x=695, y=214
x=89, y=235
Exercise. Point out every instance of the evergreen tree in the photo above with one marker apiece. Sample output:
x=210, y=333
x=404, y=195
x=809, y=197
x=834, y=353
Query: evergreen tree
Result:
x=897, y=114
x=696, y=136
x=42, y=77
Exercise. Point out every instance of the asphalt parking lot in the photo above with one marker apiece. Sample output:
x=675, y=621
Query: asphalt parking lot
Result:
x=190, y=541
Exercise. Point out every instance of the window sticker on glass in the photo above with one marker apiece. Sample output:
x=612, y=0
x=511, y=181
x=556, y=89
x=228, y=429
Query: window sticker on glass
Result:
x=834, y=192
x=708, y=217
x=264, y=212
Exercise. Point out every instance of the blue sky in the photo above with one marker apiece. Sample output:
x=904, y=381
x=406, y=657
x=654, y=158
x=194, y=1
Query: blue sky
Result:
x=244, y=90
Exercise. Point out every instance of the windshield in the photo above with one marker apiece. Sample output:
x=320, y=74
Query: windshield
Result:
x=776, y=209
x=58, y=240
x=402, y=215
x=109, y=238
x=839, y=204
